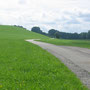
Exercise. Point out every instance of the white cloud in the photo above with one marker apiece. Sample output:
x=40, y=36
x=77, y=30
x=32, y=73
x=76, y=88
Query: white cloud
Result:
x=64, y=15
x=22, y=1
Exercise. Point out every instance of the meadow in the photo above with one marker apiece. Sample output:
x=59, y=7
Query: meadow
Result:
x=66, y=42
x=25, y=66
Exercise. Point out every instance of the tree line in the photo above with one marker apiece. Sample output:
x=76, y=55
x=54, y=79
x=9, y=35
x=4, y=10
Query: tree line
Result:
x=19, y=26
x=62, y=35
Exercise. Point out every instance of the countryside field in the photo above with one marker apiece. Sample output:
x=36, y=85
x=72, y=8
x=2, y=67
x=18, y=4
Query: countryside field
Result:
x=62, y=42
x=25, y=66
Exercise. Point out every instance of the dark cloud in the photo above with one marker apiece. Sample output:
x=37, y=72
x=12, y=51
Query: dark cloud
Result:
x=85, y=16
x=73, y=21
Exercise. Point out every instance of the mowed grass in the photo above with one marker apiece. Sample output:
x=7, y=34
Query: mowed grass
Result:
x=62, y=42
x=25, y=66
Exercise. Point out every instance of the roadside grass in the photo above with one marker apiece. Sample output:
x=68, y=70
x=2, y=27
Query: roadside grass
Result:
x=77, y=43
x=25, y=66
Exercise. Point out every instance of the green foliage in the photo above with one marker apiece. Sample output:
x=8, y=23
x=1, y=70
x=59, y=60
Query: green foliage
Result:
x=52, y=32
x=88, y=34
x=83, y=35
x=64, y=35
x=36, y=29
x=25, y=66
x=57, y=35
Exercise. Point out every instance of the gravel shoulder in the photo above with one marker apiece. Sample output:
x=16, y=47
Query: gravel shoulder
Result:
x=75, y=58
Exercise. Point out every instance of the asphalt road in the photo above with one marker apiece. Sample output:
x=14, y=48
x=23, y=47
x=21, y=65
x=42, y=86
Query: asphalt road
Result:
x=75, y=58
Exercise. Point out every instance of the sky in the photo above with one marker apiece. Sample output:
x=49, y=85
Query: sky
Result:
x=62, y=15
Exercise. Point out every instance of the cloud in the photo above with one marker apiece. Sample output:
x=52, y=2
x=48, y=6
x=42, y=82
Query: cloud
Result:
x=85, y=16
x=22, y=1
x=63, y=15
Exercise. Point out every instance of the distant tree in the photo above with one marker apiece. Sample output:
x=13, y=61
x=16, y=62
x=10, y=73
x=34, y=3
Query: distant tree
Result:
x=44, y=33
x=63, y=35
x=52, y=32
x=19, y=26
x=57, y=35
x=36, y=29
x=83, y=35
x=75, y=36
x=88, y=35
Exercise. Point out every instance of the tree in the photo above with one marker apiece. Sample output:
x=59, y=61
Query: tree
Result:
x=75, y=36
x=88, y=35
x=52, y=32
x=83, y=35
x=57, y=35
x=36, y=29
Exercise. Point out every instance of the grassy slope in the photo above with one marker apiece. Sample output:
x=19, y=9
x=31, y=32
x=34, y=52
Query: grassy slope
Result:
x=25, y=66
x=78, y=43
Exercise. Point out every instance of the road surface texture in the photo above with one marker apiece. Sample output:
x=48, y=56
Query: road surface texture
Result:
x=75, y=58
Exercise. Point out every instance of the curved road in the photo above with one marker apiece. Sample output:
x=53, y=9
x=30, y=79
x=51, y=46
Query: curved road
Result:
x=75, y=58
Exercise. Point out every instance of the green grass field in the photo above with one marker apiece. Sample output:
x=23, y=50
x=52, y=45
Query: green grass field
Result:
x=76, y=43
x=25, y=66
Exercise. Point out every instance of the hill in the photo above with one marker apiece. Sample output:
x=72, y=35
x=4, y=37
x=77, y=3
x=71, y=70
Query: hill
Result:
x=13, y=32
x=25, y=66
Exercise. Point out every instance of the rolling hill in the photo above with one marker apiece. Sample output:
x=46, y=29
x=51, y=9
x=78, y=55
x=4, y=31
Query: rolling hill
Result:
x=25, y=66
